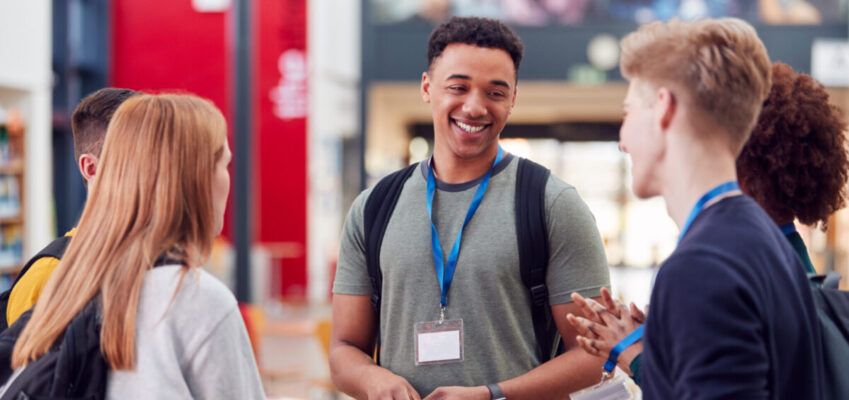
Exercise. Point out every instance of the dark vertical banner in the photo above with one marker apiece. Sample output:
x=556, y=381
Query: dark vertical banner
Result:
x=281, y=143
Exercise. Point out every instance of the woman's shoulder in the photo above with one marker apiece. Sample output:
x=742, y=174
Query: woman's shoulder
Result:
x=192, y=291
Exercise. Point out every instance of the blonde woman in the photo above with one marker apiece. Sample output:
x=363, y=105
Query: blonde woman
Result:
x=170, y=332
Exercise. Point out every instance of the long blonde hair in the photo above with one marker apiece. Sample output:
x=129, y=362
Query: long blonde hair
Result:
x=152, y=194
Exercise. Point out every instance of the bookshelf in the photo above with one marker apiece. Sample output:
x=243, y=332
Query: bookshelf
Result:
x=12, y=175
x=26, y=84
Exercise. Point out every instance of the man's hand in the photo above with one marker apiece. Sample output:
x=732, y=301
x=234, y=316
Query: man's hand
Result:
x=459, y=393
x=351, y=345
x=384, y=385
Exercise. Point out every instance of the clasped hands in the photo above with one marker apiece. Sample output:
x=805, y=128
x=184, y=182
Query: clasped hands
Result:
x=385, y=385
x=605, y=324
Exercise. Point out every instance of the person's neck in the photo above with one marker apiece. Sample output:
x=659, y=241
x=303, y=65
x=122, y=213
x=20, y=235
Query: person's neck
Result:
x=783, y=222
x=693, y=173
x=452, y=169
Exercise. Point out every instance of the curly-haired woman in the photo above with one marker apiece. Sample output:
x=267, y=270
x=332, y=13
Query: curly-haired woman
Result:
x=795, y=163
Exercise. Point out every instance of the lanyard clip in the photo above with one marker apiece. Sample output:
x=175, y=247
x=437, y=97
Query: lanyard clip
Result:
x=441, y=314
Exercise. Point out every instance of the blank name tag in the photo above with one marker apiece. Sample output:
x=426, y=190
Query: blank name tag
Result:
x=617, y=388
x=439, y=343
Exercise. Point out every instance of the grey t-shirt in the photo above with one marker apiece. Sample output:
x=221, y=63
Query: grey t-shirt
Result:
x=189, y=345
x=487, y=292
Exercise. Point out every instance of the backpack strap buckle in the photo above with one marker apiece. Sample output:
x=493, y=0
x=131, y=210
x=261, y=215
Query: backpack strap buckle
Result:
x=375, y=303
x=375, y=294
x=539, y=295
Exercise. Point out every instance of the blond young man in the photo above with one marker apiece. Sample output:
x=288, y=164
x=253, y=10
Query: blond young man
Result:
x=732, y=315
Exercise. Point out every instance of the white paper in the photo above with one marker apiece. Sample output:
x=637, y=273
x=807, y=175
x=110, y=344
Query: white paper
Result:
x=618, y=388
x=439, y=346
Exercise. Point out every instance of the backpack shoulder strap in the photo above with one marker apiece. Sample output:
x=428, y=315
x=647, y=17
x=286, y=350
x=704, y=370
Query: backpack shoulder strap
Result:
x=378, y=210
x=81, y=367
x=532, y=235
x=376, y=215
x=56, y=249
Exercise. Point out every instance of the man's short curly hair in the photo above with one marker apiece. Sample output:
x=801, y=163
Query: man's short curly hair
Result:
x=795, y=163
x=480, y=32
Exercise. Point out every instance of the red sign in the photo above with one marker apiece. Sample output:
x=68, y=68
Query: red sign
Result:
x=170, y=45
x=161, y=45
x=282, y=107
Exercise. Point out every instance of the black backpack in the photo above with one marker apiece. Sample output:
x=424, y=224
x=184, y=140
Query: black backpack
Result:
x=531, y=232
x=55, y=249
x=833, y=315
x=74, y=368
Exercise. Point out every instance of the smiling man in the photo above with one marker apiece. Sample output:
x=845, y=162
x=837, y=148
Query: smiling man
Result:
x=450, y=308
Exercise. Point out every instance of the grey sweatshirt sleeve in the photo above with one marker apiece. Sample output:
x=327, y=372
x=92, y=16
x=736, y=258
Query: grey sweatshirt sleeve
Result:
x=223, y=366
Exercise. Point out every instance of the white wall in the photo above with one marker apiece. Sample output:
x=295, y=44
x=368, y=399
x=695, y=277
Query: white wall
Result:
x=334, y=57
x=25, y=83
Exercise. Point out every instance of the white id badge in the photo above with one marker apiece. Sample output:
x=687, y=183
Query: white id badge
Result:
x=439, y=342
x=616, y=388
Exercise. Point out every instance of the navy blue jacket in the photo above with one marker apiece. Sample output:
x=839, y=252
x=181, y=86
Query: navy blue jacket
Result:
x=731, y=314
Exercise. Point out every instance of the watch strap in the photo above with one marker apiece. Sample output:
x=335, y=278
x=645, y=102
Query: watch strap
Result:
x=495, y=392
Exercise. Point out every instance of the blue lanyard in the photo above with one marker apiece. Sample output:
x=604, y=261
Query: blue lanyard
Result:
x=445, y=270
x=632, y=338
x=637, y=334
x=717, y=191
x=787, y=229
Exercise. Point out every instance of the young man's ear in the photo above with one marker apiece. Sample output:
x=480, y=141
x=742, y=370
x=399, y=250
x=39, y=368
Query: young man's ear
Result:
x=666, y=105
x=87, y=165
x=425, y=87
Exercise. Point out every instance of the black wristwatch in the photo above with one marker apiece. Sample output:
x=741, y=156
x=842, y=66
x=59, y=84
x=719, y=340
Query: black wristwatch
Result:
x=495, y=392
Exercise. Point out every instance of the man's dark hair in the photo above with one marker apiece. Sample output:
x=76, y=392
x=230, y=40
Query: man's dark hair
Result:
x=92, y=116
x=480, y=32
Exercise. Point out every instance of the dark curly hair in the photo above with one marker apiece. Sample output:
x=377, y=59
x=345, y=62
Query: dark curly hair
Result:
x=795, y=163
x=480, y=32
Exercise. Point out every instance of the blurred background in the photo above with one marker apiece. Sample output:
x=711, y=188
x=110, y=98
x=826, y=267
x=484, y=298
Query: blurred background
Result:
x=322, y=98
